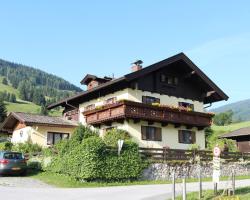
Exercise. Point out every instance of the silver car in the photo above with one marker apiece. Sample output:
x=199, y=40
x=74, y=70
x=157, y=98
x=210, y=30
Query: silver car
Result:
x=12, y=163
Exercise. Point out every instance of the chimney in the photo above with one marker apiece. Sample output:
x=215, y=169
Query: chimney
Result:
x=136, y=66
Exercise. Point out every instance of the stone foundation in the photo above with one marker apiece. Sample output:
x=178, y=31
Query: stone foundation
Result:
x=163, y=171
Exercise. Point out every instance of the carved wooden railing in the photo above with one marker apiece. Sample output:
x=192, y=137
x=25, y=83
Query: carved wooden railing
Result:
x=135, y=110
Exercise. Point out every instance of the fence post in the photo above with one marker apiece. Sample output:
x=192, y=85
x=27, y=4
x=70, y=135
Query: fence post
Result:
x=173, y=185
x=184, y=189
x=215, y=189
x=233, y=181
x=200, y=183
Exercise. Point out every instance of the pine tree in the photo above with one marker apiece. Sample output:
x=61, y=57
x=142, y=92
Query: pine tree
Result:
x=3, y=111
x=44, y=110
x=4, y=81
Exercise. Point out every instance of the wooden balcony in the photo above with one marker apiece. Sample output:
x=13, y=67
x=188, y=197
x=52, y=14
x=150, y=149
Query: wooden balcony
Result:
x=139, y=111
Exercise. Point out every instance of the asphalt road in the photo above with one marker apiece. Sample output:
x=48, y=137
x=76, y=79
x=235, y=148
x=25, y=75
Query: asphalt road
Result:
x=13, y=189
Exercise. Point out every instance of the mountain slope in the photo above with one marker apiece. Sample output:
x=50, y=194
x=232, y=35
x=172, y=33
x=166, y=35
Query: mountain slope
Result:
x=31, y=87
x=241, y=110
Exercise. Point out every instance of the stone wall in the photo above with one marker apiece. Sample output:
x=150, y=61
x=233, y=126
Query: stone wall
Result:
x=163, y=171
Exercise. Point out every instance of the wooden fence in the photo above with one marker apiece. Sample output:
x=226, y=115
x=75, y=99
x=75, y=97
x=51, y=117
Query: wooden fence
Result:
x=162, y=154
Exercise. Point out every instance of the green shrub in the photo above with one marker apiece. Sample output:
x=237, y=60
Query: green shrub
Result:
x=27, y=147
x=92, y=159
x=112, y=136
x=6, y=146
x=127, y=166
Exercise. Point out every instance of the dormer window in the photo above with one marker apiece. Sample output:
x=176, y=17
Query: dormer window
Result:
x=150, y=100
x=189, y=106
x=170, y=80
x=111, y=101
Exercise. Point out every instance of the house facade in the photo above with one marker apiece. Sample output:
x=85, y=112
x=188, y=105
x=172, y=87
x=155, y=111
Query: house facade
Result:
x=162, y=105
x=42, y=130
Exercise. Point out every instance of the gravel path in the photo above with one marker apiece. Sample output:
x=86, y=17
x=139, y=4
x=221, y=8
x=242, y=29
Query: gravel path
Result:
x=22, y=182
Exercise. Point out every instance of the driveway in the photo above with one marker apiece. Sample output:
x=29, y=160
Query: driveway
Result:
x=29, y=189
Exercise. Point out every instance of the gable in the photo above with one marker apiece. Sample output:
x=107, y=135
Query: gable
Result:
x=194, y=84
x=176, y=79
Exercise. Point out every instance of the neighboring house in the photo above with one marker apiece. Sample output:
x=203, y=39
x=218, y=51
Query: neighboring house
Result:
x=242, y=138
x=160, y=106
x=43, y=130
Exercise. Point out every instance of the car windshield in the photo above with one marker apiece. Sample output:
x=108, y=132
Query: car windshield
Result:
x=13, y=156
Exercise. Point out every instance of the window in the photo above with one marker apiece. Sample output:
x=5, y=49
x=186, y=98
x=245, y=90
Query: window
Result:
x=187, y=105
x=53, y=138
x=111, y=100
x=90, y=107
x=151, y=133
x=186, y=137
x=150, y=100
x=13, y=156
x=171, y=80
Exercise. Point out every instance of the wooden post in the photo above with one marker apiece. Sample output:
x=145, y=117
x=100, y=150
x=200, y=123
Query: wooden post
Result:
x=173, y=185
x=200, y=183
x=184, y=189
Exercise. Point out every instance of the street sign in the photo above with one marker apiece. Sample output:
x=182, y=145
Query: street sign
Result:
x=217, y=151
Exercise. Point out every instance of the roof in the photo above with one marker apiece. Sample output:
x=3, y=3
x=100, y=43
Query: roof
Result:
x=34, y=119
x=90, y=77
x=239, y=132
x=146, y=70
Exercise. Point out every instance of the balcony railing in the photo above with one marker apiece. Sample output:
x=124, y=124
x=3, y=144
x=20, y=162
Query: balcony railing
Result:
x=140, y=111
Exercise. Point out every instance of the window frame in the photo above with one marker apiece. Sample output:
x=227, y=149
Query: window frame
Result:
x=182, y=138
x=188, y=105
x=62, y=136
x=111, y=100
x=169, y=79
x=145, y=99
x=146, y=133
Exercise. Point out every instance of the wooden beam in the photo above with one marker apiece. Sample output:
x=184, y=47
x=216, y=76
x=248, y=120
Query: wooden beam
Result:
x=188, y=75
x=200, y=128
x=120, y=121
x=210, y=93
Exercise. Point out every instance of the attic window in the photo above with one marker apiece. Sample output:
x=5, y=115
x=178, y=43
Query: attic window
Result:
x=170, y=80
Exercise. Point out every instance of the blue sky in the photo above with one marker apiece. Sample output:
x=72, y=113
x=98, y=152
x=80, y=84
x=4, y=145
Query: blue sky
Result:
x=72, y=38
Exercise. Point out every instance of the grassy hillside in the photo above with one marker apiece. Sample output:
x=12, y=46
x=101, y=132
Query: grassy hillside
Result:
x=7, y=88
x=241, y=110
x=231, y=127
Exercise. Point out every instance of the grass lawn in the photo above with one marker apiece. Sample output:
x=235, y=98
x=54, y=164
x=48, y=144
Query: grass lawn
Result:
x=240, y=193
x=225, y=129
x=68, y=182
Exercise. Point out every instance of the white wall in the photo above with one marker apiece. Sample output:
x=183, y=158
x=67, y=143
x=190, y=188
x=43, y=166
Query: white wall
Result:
x=169, y=135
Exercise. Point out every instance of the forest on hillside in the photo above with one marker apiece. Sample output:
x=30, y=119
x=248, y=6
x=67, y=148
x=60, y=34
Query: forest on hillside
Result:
x=34, y=85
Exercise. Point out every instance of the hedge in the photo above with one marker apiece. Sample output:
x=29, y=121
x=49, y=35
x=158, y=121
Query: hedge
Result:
x=93, y=160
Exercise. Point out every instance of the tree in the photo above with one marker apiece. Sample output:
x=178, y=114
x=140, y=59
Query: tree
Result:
x=4, y=81
x=44, y=110
x=224, y=118
x=12, y=98
x=3, y=111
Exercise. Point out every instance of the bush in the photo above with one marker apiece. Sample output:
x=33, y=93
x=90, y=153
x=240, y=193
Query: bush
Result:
x=6, y=146
x=93, y=159
x=27, y=147
x=112, y=136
